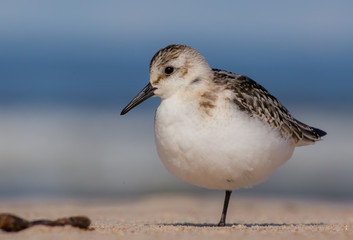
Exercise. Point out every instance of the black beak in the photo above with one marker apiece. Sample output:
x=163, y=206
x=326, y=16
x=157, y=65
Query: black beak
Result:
x=145, y=93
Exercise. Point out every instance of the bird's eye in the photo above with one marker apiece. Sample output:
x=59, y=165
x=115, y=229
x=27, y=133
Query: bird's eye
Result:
x=169, y=70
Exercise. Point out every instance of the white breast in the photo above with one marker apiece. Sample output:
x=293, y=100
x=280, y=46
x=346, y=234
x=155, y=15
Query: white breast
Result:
x=227, y=150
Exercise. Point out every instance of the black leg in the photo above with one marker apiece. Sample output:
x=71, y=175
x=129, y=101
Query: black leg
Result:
x=222, y=222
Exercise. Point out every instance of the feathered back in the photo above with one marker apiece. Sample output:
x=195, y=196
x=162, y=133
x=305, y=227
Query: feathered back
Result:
x=251, y=97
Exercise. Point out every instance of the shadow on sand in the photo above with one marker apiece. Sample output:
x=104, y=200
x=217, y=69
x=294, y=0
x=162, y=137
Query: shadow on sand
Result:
x=248, y=225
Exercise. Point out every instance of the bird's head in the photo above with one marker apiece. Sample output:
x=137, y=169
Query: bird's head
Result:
x=173, y=69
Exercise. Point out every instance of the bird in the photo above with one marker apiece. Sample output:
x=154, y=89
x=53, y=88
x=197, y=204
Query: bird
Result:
x=216, y=129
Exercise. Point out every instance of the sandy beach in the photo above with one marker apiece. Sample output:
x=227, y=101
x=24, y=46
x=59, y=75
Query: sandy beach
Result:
x=186, y=216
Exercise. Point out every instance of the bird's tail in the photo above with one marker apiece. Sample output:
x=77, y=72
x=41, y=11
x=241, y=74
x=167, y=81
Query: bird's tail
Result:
x=310, y=134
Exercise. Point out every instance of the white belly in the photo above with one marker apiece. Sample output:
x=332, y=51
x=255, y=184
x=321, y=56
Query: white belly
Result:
x=228, y=150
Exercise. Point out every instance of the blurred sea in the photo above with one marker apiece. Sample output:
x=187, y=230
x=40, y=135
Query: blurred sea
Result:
x=67, y=68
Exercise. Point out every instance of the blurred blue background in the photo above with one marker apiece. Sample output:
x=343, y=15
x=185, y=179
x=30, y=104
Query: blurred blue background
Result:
x=67, y=68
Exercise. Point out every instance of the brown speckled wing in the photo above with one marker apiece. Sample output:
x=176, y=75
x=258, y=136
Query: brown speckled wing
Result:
x=251, y=97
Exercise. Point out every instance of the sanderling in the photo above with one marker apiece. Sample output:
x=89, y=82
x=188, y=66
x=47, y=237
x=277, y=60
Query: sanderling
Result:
x=217, y=129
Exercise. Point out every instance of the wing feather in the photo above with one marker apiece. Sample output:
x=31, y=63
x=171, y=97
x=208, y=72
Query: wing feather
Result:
x=251, y=97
